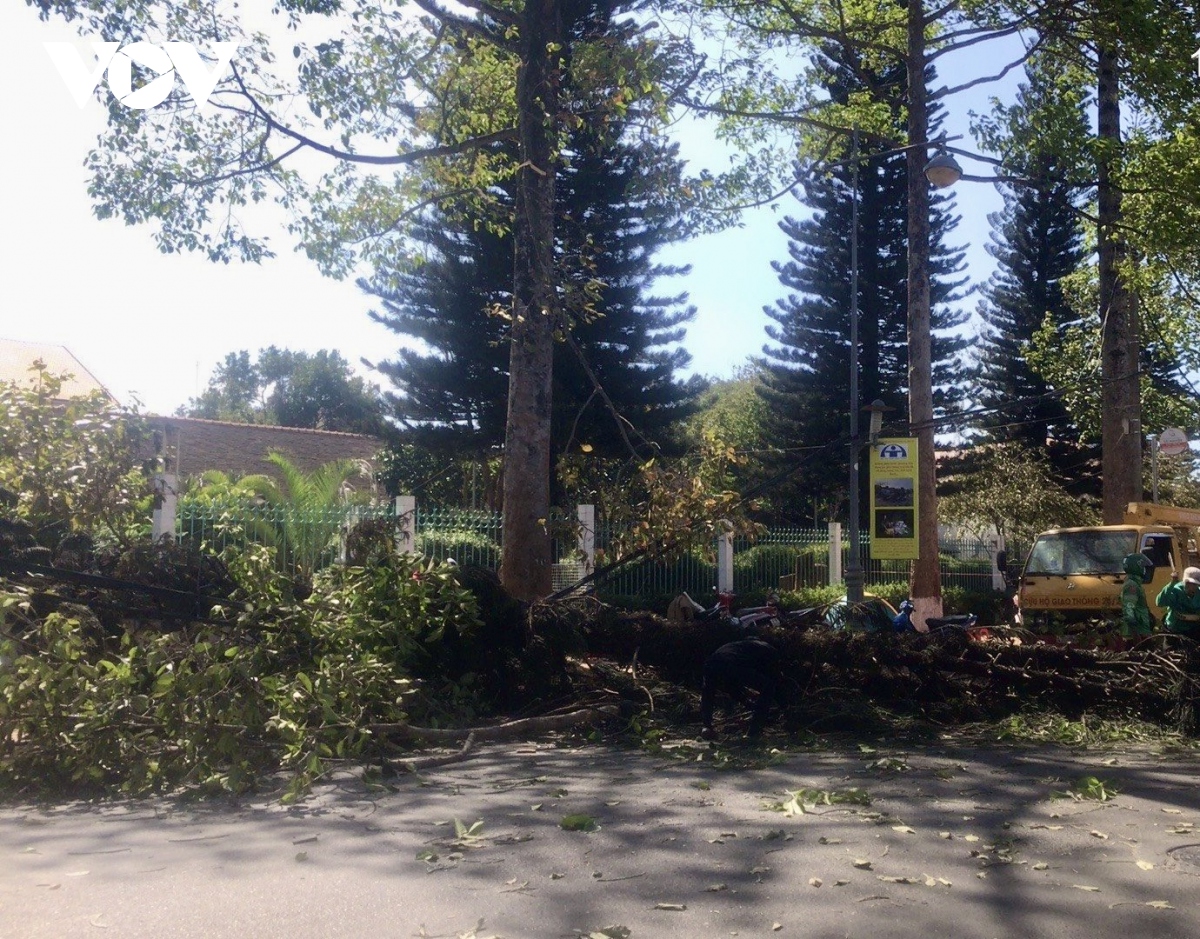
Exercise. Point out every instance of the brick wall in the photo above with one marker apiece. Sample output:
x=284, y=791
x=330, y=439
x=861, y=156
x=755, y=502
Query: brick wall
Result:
x=195, y=445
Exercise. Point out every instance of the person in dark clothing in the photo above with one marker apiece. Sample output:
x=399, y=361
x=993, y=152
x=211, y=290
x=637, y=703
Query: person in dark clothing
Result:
x=735, y=669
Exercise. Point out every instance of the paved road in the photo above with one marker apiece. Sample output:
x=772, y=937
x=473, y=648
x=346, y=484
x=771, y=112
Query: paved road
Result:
x=955, y=843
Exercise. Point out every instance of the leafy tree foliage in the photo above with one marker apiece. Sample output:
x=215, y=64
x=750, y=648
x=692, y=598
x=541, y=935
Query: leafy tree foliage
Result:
x=1016, y=492
x=1070, y=361
x=223, y=707
x=74, y=465
x=291, y=389
x=732, y=415
x=1119, y=47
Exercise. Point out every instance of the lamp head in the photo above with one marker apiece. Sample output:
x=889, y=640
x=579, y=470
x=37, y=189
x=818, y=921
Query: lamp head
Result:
x=943, y=170
x=876, y=409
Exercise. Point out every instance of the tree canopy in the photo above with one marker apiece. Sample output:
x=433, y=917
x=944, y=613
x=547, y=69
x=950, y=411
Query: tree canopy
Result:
x=381, y=111
x=318, y=391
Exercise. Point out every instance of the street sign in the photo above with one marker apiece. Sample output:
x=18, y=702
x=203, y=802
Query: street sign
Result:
x=1172, y=442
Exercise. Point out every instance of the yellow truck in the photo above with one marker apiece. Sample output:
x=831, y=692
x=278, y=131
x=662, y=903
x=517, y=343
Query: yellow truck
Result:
x=1074, y=574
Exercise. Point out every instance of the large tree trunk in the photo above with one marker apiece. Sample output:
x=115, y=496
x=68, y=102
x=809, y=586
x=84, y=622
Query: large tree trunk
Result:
x=926, y=579
x=1120, y=395
x=525, y=563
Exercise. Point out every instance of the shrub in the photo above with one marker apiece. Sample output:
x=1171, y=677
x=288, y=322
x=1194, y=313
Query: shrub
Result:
x=462, y=544
x=280, y=685
x=73, y=466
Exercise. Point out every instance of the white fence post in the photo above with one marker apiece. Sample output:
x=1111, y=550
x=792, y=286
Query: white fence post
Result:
x=835, y=553
x=725, y=562
x=994, y=552
x=587, y=536
x=166, y=500
x=406, y=524
x=350, y=519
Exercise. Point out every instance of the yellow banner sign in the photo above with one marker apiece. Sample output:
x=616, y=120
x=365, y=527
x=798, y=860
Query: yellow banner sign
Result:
x=894, y=497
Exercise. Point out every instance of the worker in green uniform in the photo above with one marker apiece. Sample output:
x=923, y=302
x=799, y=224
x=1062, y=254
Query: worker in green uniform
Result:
x=1136, y=620
x=1182, y=603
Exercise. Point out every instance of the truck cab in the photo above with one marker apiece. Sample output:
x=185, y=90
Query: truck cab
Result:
x=1075, y=574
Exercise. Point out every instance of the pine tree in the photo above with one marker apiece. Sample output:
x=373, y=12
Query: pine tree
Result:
x=451, y=389
x=806, y=379
x=626, y=336
x=1037, y=241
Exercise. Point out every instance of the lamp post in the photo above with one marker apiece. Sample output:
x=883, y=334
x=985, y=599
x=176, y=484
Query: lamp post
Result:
x=943, y=170
x=854, y=571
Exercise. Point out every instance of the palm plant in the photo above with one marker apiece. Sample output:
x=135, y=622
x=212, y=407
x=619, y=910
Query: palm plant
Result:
x=299, y=515
x=310, y=509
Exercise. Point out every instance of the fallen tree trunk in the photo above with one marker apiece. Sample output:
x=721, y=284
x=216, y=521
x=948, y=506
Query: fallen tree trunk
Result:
x=527, y=727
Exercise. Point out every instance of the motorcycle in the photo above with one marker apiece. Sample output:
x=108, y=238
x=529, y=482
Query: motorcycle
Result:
x=745, y=619
x=965, y=622
x=684, y=609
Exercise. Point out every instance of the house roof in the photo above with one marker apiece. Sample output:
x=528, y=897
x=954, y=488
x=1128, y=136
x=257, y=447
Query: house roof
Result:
x=17, y=356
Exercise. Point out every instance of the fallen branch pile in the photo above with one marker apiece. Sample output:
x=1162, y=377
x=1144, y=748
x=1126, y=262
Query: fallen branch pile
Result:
x=945, y=677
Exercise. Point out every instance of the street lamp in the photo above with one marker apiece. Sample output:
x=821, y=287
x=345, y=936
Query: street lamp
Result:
x=943, y=170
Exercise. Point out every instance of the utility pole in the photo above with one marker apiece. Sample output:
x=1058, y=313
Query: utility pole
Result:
x=926, y=587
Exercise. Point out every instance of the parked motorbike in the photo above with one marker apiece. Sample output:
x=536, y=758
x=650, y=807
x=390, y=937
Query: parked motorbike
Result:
x=746, y=619
x=965, y=622
x=684, y=609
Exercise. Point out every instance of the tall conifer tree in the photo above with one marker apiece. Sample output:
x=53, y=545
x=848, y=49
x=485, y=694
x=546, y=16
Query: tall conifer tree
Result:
x=620, y=340
x=807, y=368
x=451, y=388
x=1037, y=240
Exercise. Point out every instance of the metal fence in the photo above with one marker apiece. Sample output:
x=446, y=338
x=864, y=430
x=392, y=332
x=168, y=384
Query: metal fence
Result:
x=789, y=558
x=304, y=539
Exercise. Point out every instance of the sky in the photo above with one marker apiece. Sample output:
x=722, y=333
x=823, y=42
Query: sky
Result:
x=152, y=326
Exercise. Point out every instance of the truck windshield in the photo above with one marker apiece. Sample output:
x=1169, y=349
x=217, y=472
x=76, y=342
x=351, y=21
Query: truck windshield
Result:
x=1081, y=552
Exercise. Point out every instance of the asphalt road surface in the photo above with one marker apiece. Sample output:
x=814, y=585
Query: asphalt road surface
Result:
x=955, y=842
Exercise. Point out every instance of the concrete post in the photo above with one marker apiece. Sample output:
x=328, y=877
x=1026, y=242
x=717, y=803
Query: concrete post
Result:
x=835, y=553
x=725, y=562
x=166, y=500
x=996, y=548
x=587, y=536
x=406, y=524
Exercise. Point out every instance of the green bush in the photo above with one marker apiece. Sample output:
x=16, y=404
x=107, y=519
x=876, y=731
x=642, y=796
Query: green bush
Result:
x=462, y=544
x=75, y=466
x=773, y=560
x=692, y=572
x=991, y=606
x=280, y=686
x=809, y=597
x=895, y=592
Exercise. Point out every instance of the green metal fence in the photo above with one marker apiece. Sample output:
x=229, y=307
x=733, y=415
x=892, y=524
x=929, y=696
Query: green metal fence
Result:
x=787, y=558
x=781, y=558
x=466, y=535
x=694, y=570
x=303, y=540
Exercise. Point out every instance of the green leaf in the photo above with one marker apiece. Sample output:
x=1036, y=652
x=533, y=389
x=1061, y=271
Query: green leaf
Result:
x=578, y=823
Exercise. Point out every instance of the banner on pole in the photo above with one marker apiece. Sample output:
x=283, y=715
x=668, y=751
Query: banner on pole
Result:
x=894, y=496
